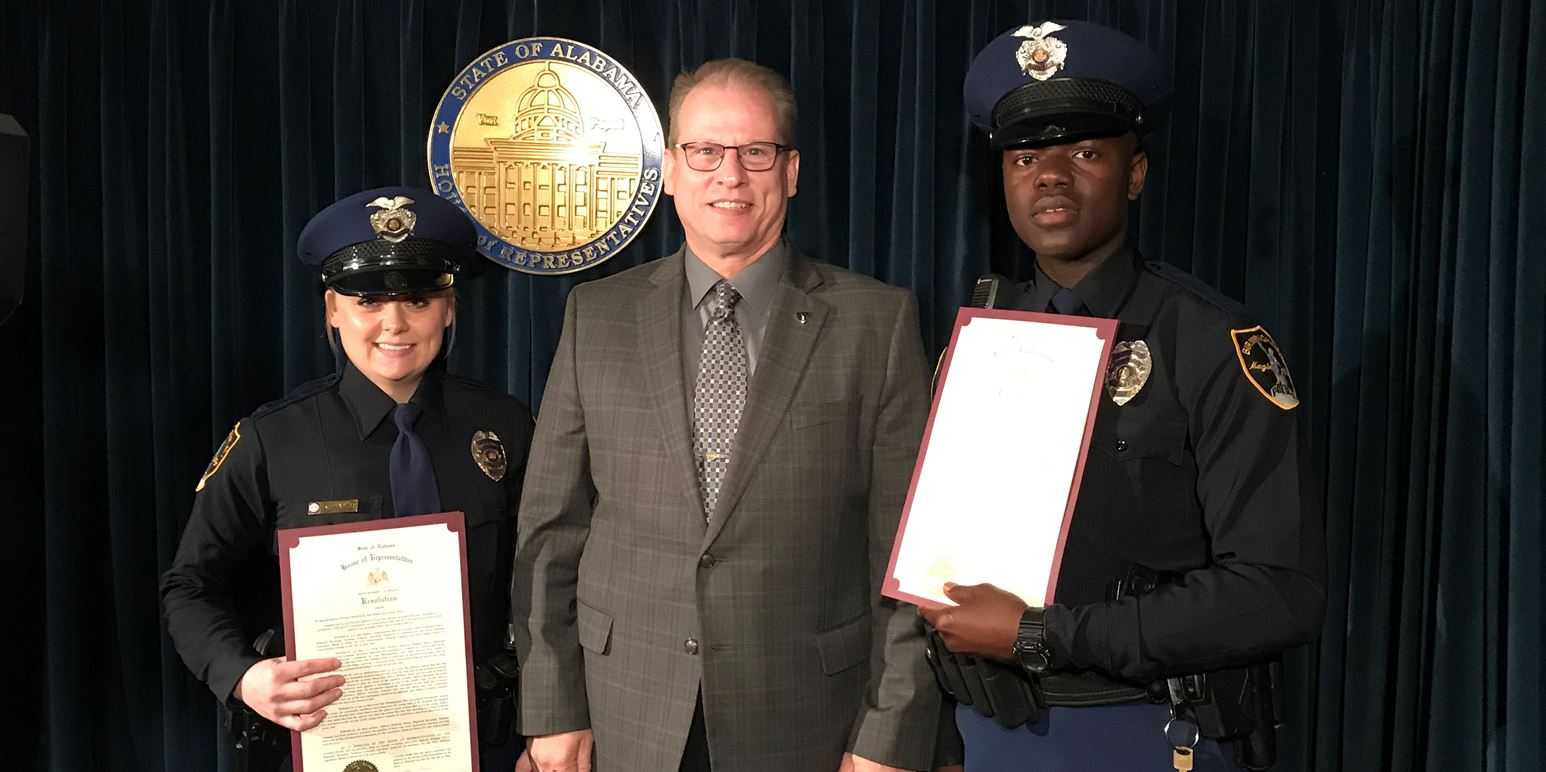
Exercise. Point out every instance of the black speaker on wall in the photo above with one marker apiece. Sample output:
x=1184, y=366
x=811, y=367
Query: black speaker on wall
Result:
x=14, y=146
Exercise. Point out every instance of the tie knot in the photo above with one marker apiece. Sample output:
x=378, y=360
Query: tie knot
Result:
x=405, y=415
x=1064, y=301
x=723, y=301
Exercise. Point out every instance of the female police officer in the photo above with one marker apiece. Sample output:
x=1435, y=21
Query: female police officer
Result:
x=389, y=434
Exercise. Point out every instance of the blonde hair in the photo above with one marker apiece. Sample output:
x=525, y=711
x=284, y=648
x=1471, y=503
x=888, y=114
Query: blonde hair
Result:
x=742, y=73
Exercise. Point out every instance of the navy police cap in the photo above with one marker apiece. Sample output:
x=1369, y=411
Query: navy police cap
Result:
x=391, y=241
x=1063, y=81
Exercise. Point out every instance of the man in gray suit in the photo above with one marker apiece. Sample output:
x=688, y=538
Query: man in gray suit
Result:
x=720, y=461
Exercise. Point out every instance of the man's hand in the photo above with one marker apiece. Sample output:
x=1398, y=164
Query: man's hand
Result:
x=275, y=689
x=523, y=764
x=562, y=752
x=852, y=763
x=985, y=623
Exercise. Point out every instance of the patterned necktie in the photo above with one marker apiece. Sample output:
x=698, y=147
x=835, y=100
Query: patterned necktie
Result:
x=414, y=491
x=719, y=394
x=1063, y=302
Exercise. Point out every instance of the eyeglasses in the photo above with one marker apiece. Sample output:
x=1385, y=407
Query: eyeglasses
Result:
x=754, y=156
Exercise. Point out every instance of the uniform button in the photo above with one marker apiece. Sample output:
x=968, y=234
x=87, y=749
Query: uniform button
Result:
x=690, y=645
x=707, y=561
x=1121, y=445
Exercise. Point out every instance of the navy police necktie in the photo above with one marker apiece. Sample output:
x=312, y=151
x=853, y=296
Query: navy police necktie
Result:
x=719, y=395
x=414, y=491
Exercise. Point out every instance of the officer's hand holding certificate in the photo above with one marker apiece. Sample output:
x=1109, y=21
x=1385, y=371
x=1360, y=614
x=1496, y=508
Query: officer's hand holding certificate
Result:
x=998, y=473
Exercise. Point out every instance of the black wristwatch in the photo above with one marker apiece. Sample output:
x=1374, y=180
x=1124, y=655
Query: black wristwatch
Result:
x=1031, y=648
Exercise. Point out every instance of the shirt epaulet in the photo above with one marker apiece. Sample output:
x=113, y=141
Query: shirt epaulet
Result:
x=1233, y=310
x=464, y=382
x=301, y=392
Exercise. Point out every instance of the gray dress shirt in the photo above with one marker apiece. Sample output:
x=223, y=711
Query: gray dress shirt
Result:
x=757, y=283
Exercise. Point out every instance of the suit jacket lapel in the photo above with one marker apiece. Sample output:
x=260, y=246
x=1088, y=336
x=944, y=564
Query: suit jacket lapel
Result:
x=660, y=332
x=786, y=347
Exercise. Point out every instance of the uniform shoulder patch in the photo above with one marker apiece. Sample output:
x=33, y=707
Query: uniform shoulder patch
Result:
x=1262, y=362
x=220, y=455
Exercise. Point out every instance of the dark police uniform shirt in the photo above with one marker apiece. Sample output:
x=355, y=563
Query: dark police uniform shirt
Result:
x=329, y=441
x=1198, y=474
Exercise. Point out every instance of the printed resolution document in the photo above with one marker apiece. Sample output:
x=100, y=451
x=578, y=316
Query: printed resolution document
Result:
x=388, y=598
x=997, y=475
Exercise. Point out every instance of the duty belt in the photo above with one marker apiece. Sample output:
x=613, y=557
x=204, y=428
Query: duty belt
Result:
x=1090, y=689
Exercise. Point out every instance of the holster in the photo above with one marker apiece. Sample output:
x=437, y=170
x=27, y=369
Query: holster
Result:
x=1004, y=693
x=1233, y=704
x=495, y=682
x=260, y=744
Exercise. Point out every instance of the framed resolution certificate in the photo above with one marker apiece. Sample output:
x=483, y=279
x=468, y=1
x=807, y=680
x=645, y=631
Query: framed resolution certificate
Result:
x=388, y=598
x=998, y=473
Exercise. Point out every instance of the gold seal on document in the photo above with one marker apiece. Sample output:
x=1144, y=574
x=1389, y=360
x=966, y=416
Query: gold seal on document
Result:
x=361, y=766
x=553, y=148
x=489, y=454
x=1130, y=367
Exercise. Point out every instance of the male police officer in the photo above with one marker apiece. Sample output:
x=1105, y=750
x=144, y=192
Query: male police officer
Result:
x=389, y=434
x=1194, y=557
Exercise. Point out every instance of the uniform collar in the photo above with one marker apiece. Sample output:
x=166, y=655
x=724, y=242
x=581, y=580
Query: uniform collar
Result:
x=370, y=405
x=1102, y=291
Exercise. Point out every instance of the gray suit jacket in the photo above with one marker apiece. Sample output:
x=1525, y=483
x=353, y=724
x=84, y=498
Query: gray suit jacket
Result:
x=632, y=604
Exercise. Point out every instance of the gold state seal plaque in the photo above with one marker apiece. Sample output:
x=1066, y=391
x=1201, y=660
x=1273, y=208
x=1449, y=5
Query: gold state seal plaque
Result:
x=555, y=151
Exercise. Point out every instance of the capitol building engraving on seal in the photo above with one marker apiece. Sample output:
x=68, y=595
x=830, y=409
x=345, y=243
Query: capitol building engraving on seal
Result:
x=553, y=148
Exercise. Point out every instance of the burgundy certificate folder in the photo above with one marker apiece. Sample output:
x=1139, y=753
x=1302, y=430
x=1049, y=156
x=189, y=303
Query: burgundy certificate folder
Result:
x=389, y=599
x=998, y=472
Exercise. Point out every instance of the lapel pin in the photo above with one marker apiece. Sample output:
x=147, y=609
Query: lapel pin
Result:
x=801, y=316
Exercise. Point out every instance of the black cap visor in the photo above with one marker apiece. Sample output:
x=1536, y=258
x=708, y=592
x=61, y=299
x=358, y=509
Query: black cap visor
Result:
x=389, y=282
x=1058, y=130
x=1065, y=110
x=388, y=269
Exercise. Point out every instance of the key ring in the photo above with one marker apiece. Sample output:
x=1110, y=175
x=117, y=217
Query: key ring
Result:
x=1185, y=726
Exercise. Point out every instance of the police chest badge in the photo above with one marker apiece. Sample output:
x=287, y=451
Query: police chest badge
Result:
x=553, y=149
x=489, y=453
x=1262, y=362
x=1129, y=371
x=231, y=439
x=1041, y=56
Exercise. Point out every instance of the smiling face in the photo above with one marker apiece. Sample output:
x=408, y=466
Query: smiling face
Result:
x=392, y=342
x=731, y=216
x=1069, y=202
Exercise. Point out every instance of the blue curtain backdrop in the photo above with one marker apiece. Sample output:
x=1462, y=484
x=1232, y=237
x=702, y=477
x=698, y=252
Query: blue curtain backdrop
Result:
x=1367, y=175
